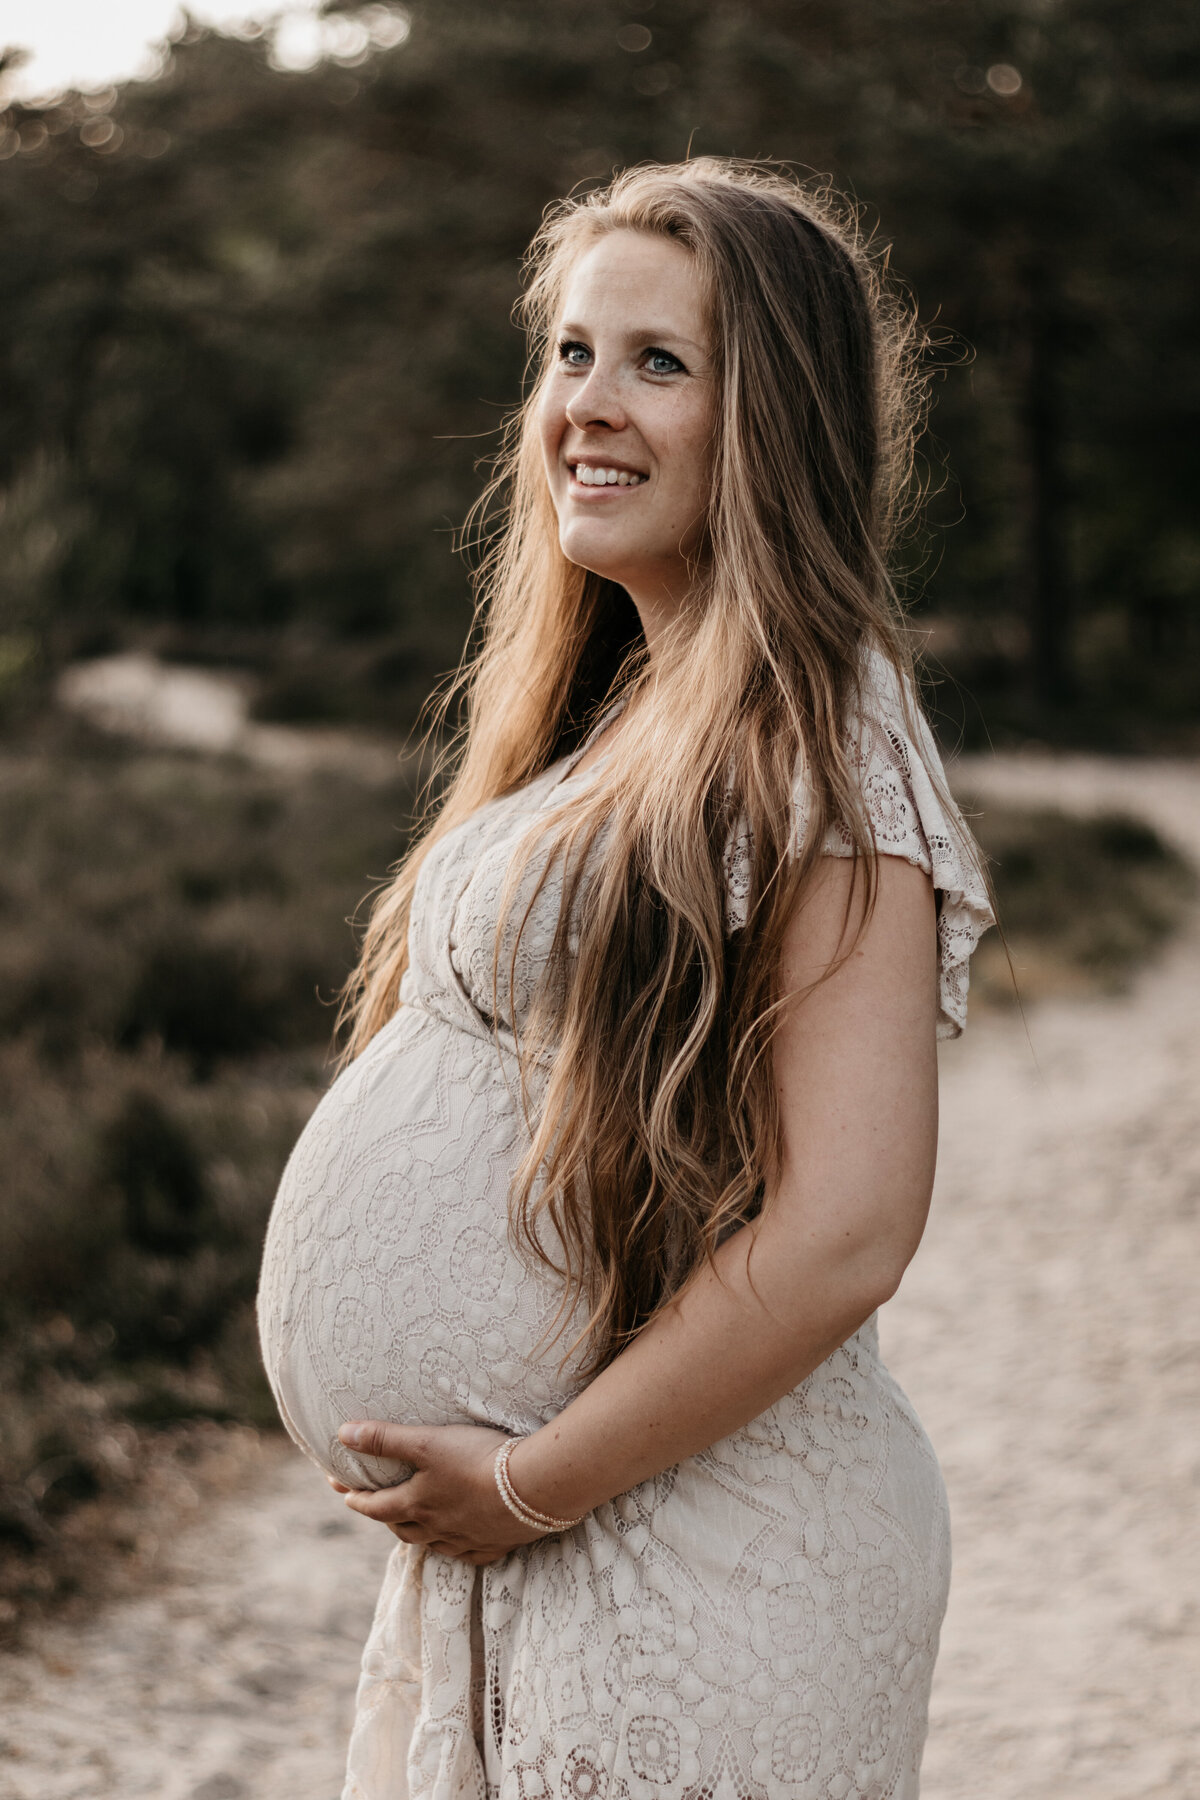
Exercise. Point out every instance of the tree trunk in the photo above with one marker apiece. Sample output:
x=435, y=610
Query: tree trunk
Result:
x=1051, y=676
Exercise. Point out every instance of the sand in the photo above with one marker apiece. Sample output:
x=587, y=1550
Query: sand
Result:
x=1049, y=1334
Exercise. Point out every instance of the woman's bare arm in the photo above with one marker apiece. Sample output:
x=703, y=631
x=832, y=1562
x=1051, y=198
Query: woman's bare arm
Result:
x=855, y=1061
x=856, y=1066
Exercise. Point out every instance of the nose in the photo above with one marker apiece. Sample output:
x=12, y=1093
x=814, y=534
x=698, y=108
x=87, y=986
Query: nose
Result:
x=596, y=401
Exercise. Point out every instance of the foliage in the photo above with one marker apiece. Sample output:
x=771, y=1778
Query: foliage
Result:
x=256, y=321
x=1083, y=903
x=174, y=932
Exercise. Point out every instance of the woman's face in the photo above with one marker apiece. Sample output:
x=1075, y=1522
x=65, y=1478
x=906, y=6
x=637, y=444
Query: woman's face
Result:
x=626, y=417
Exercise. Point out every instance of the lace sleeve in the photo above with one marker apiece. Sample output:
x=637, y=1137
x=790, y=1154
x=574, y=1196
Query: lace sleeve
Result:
x=909, y=811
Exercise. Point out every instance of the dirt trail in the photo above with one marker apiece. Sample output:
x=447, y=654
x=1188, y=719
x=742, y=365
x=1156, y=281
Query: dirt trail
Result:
x=233, y=1681
x=1048, y=1333
x=169, y=704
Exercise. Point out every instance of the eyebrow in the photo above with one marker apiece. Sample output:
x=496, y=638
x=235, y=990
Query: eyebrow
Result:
x=641, y=334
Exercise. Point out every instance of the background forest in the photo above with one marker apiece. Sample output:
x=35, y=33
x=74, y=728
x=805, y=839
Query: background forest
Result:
x=255, y=336
x=255, y=341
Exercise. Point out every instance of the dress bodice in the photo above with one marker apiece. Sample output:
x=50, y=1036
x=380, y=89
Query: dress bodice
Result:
x=460, y=972
x=456, y=969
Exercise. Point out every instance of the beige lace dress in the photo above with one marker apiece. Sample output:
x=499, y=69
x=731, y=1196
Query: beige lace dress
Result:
x=758, y=1623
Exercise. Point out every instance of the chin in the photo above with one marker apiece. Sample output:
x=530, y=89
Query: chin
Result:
x=590, y=550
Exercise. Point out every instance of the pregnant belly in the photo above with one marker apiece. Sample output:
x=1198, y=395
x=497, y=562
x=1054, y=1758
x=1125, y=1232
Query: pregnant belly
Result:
x=389, y=1287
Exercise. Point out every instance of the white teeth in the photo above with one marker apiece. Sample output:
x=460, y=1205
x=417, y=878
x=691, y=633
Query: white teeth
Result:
x=589, y=477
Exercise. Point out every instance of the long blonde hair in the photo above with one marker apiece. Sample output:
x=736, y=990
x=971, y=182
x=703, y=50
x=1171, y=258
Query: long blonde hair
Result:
x=657, y=1129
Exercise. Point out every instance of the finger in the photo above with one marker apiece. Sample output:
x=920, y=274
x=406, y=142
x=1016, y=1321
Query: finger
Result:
x=411, y=1534
x=372, y=1437
x=463, y=1550
x=339, y=1487
x=391, y=1506
x=460, y=1549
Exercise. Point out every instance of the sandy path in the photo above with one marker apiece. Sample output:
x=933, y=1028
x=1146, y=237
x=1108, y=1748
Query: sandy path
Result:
x=233, y=1681
x=170, y=704
x=1050, y=1336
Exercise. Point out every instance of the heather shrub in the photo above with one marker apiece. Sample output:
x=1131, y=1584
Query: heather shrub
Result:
x=174, y=931
x=1083, y=902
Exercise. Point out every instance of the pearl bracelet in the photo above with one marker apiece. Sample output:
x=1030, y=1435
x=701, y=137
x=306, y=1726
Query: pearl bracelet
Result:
x=528, y=1515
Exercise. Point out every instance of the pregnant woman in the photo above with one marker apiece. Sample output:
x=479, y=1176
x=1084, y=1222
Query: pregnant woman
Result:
x=572, y=1277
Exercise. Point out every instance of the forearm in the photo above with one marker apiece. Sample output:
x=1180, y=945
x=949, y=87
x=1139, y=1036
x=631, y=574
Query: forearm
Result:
x=744, y=1332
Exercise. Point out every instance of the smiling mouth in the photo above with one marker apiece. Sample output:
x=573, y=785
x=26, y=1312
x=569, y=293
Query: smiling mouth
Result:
x=600, y=475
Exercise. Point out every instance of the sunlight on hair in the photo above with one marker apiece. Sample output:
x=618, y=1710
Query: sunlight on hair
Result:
x=645, y=1064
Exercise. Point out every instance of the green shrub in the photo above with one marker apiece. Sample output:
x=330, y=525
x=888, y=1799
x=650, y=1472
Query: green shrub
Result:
x=1083, y=901
x=174, y=931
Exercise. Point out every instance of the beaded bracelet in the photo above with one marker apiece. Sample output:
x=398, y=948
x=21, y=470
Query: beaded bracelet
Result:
x=528, y=1515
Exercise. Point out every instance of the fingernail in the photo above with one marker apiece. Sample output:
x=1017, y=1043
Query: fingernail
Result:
x=352, y=1435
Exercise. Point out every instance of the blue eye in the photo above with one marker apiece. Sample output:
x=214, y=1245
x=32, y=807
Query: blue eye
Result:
x=661, y=362
x=575, y=355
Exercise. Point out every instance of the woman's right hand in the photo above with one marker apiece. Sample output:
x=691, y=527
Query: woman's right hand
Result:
x=451, y=1502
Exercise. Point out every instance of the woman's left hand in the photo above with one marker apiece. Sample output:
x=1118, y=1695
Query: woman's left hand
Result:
x=451, y=1503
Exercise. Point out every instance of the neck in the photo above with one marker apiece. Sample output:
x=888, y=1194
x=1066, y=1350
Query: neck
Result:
x=659, y=610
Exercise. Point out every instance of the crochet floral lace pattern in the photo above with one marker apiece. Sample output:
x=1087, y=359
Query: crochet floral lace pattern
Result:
x=759, y=1622
x=908, y=813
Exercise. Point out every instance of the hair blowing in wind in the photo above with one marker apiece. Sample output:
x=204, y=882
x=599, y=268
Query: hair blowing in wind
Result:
x=646, y=1066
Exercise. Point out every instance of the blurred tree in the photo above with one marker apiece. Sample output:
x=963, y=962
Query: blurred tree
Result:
x=260, y=317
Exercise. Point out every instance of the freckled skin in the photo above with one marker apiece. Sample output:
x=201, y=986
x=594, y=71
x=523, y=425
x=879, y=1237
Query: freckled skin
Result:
x=631, y=387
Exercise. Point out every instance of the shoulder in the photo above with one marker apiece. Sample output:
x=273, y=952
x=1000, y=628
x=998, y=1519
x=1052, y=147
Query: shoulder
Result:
x=906, y=800
x=910, y=812
x=907, y=811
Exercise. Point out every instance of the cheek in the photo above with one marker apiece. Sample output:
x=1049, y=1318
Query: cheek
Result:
x=692, y=481
x=689, y=440
x=551, y=423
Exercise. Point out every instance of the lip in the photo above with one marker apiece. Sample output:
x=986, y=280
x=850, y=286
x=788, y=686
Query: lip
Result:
x=601, y=462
